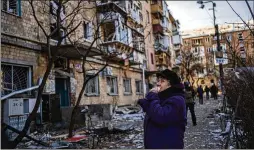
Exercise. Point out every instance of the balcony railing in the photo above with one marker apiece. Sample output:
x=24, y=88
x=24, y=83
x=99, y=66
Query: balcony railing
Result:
x=157, y=22
x=109, y=16
x=159, y=45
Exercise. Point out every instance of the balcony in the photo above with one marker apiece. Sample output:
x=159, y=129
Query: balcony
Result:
x=167, y=27
x=111, y=5
x=119, y=36
x=157, y=26
x=134, y=17
x=109, y=16
x=161, y=59
x=160, y=46
x=157, y=10
x=138, y=44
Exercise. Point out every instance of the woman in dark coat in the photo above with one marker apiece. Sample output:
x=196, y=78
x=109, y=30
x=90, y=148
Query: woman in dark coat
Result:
x=165, y=119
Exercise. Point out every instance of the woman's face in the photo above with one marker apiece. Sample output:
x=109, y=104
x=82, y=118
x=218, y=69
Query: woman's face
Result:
x=162, y=84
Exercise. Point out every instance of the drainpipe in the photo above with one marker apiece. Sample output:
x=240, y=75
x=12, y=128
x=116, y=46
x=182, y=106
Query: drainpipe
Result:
x=143, y=80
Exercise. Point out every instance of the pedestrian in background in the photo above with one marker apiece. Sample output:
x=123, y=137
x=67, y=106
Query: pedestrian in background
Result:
x=189, y=100
x=165, y=109
x=200, y=94
x=214, y=91
x=207, y=91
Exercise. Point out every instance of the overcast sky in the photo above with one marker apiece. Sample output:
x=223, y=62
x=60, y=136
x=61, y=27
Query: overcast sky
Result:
x=191, y=16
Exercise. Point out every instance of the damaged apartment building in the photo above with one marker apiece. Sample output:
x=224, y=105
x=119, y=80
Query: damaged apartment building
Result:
x=138, y=31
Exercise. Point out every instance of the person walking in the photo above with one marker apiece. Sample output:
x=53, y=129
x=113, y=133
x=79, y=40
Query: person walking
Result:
x=200, y=94
x=165, y=119
x=214, y=91
x=207, y=91
x=189, y=100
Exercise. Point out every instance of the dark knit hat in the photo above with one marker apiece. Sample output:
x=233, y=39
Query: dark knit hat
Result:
x=169, y=75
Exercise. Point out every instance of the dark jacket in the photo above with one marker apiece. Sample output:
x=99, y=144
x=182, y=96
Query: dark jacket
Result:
x=214, y=89
x=165, y=119
x=200, y=91
x=207, y=90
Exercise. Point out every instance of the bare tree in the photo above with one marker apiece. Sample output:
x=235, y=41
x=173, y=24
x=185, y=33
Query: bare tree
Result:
x=107, y=56
x=61, y=21
x=190, y=65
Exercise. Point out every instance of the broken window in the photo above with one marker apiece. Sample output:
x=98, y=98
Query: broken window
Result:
x=92, y=87
x=108, y=31
x=11, y=6
x=139, y=87
x=127, y=86
x=112, y=85
x=15, y=78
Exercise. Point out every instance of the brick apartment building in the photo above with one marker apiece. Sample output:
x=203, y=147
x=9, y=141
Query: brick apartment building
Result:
x=127, y=26
x=236, y=40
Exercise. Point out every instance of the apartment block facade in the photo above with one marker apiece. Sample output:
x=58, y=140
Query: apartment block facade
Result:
x=234, y=42
x=162, y=21
x=124, y=27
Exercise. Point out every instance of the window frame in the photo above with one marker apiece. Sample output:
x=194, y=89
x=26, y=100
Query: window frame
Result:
x=115, y=86
x=29, y=75
x=15, y=13
x=124, y=87
x=141, y=87
x=88, y=32
x=97, y=86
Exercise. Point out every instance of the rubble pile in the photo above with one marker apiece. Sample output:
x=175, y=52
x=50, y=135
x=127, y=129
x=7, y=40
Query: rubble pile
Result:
x=124, y=130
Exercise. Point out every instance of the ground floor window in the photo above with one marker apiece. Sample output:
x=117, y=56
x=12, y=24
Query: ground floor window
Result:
x=14, y=78
x=112, y=85
x=127, y=86
x=92, y=87
x=139, y=87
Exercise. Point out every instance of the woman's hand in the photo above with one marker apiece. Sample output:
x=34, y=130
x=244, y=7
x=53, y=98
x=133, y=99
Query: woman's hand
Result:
x=155, y=90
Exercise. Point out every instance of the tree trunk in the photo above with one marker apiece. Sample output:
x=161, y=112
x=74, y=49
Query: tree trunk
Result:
x=75, y=109
x=37, y=104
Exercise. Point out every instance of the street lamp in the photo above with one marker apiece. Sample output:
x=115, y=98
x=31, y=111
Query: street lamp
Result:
x=219, y=52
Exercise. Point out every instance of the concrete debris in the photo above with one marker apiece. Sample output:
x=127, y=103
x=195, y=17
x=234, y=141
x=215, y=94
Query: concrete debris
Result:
x=124, y=130
x=127, y=110
x=124, y=127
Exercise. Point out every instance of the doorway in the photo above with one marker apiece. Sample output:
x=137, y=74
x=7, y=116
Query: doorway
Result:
x=63, y=90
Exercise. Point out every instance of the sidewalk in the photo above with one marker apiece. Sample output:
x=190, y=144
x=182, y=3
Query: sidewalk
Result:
x=206, y=134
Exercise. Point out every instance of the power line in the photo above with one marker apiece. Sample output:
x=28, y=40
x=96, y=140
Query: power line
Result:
x=240, y=17
x=249, y=9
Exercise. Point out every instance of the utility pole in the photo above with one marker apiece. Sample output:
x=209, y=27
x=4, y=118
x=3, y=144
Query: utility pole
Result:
x=219, y=53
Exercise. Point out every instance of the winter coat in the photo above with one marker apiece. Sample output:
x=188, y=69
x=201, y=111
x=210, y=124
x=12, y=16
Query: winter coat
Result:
x=214, y=89
x=188, y=97
x=165, y=119
x=207, y=90
x=200, y=91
